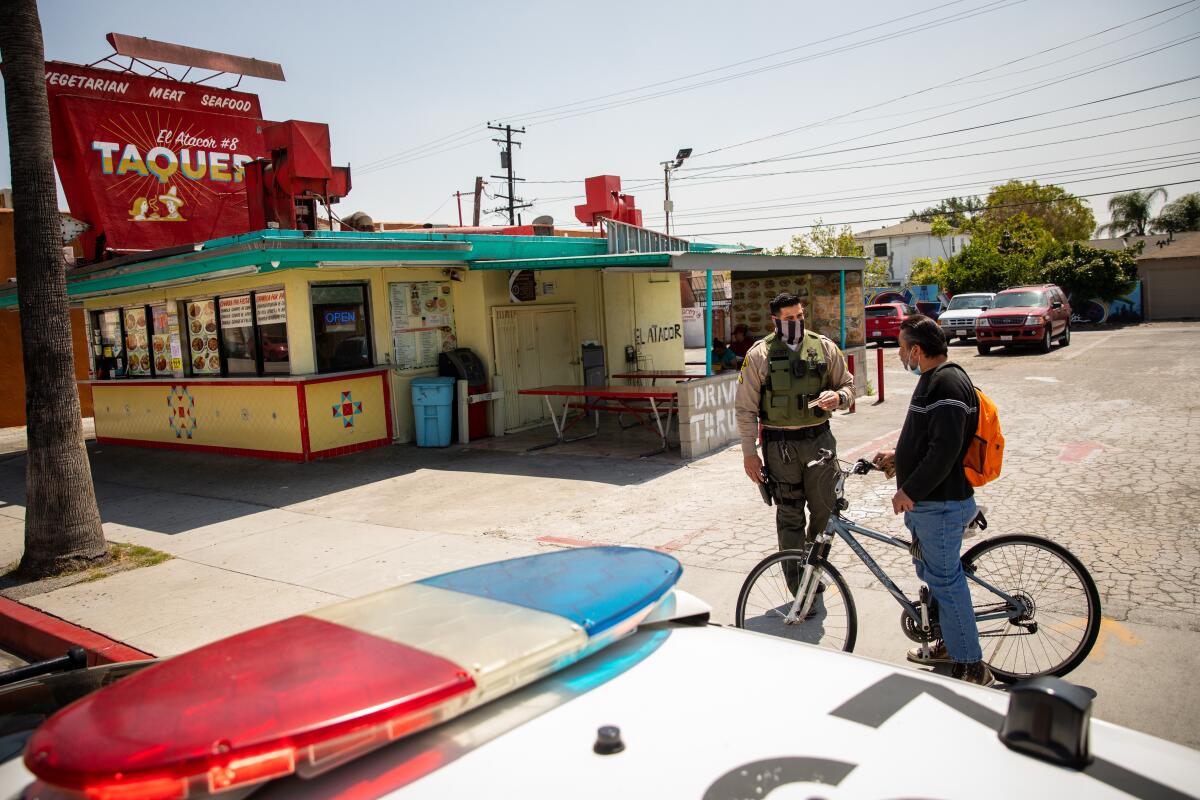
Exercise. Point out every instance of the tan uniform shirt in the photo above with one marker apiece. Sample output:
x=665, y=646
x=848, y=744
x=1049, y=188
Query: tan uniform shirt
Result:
x=754, y=374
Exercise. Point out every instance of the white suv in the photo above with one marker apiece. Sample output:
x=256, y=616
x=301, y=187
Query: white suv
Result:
x=959, y=317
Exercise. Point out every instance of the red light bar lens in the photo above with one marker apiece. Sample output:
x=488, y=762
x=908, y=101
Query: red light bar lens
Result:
x=238, y=711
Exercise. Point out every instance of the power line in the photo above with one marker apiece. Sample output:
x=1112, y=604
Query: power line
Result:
x=809, y=199
x=878, y=163
x=1156, y=168
x=808, y=153
x=448, y=144
x=996, y=5
x=860, y=165
x=421, y=152
x=947, y=83
x=461, y=133
x=886, y=219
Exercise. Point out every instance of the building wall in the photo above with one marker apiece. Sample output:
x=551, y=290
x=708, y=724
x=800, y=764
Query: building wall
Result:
x=1170, y=287
x=902, y=250
x=616, y=309
x=12, y=363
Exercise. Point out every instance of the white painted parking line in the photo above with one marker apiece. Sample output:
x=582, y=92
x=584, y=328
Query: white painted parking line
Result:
x=1075, y=353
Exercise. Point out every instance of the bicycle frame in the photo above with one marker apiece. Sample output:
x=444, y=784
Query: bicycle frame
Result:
x=845, y=529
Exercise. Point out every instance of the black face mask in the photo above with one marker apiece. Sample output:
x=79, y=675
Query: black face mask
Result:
x=791, y=331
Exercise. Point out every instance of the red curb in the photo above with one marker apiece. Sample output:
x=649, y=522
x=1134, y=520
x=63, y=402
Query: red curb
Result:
x=39, y=635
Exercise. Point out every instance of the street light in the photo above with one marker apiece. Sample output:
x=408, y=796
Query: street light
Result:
x=667, y=166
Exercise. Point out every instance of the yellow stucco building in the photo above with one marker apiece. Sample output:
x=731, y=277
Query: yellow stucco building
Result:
x=300, y=345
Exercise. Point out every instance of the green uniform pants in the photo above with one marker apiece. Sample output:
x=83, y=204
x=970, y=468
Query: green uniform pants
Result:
x=799, y=484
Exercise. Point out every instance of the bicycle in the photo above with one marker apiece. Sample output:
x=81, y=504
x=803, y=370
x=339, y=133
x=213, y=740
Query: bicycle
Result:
x=1036, y=606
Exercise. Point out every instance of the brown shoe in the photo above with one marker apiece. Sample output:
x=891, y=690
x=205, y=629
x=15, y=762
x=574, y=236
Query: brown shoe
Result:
x=976, y=672
x=937, y=654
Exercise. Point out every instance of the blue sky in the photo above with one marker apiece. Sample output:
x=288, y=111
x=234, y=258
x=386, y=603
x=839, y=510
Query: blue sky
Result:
x=408, y=88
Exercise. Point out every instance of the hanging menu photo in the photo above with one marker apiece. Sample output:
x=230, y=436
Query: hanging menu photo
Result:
x=202, y=336
x=422, y=323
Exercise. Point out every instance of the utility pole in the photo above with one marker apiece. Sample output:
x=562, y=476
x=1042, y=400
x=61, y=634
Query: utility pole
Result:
x=478, y=199
x=506, y=163
x=668, y=207
x=668, y=166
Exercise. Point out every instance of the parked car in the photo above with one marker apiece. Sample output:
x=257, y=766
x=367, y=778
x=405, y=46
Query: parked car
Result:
x=1028, y=315
x=883, y=320
x=958, y=320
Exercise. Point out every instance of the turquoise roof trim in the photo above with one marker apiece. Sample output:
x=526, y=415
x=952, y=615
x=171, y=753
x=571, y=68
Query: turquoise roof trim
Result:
x=578, y=262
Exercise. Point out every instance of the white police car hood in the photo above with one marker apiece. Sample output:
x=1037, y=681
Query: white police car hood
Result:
x=709, y=712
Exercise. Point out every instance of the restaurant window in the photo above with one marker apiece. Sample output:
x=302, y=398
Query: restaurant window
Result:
x=270, y=314
x=137, y=342
x=108, y=346
x=204, y=349
x=342, y=332
x=237, y=335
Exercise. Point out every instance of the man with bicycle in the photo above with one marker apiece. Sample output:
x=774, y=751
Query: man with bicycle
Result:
x=934, y=494
x=790, y=382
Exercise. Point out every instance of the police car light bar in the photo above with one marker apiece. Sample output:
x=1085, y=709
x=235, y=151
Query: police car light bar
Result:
x=311, y=692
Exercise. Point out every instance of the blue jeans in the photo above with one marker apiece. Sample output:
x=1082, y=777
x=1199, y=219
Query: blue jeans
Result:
x=938, y=526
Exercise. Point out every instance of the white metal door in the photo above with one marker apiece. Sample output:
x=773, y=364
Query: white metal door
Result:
x=534, y=347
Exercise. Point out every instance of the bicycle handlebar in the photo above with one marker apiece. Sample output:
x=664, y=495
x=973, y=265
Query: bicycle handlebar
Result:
x=861, y=467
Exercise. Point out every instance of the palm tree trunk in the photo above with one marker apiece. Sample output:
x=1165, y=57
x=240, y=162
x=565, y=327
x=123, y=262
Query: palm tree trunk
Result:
x=62, y=523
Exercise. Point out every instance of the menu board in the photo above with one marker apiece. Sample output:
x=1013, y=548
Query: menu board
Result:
x=235, y=312
x=270, y=307
x=422, y=323
x=203, y=347
x=137, y=341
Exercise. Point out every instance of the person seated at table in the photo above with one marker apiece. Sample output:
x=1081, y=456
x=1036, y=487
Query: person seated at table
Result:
x=741, y=340
x=723, y=357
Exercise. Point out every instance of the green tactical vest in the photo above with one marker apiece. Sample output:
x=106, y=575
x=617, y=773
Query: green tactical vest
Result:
x=793, y=381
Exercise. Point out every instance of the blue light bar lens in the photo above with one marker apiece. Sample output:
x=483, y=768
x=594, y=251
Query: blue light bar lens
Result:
x=595, y=587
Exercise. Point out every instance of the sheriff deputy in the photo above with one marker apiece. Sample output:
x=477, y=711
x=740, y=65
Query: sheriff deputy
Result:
x=791, y=381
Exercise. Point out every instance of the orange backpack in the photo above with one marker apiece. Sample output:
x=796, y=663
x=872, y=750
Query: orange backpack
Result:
x=985, y=456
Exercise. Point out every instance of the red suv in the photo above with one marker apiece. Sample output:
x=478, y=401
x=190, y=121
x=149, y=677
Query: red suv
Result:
x=1025, y=315
x=883, y=320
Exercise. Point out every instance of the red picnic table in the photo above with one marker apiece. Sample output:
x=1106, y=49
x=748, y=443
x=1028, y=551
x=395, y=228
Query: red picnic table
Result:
x=655, y=375
x=619, y=399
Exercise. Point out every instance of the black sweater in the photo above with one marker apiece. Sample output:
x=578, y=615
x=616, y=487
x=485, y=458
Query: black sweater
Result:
x=940, y=425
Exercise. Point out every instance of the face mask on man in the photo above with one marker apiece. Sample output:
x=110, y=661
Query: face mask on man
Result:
x=915, y=366
x=791, y=331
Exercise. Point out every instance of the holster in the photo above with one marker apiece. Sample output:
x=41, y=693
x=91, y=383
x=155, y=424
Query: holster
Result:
x=768, y=488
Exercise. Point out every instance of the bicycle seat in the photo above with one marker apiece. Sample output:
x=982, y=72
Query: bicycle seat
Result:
x=979, y=521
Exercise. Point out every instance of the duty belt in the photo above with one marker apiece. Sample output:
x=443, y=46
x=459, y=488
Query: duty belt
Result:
x=791, y=434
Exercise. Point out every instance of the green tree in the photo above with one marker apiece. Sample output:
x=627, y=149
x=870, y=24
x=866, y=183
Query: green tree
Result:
x=1011, y=252
x=940, y=228
x=1130, y=212
x=62, y=523
x=1182, y=214
x=958, y=211
x=876, y=273
x=1065, y=216
x=1088, y=272
x=926, y=271
x=822, y=240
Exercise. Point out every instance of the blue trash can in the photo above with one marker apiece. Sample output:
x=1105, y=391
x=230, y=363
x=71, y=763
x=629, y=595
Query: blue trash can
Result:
x=433, y=401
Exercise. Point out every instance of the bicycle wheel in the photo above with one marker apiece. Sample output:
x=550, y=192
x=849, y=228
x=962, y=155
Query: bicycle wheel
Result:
x=1063, y=618
x=765, y=600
